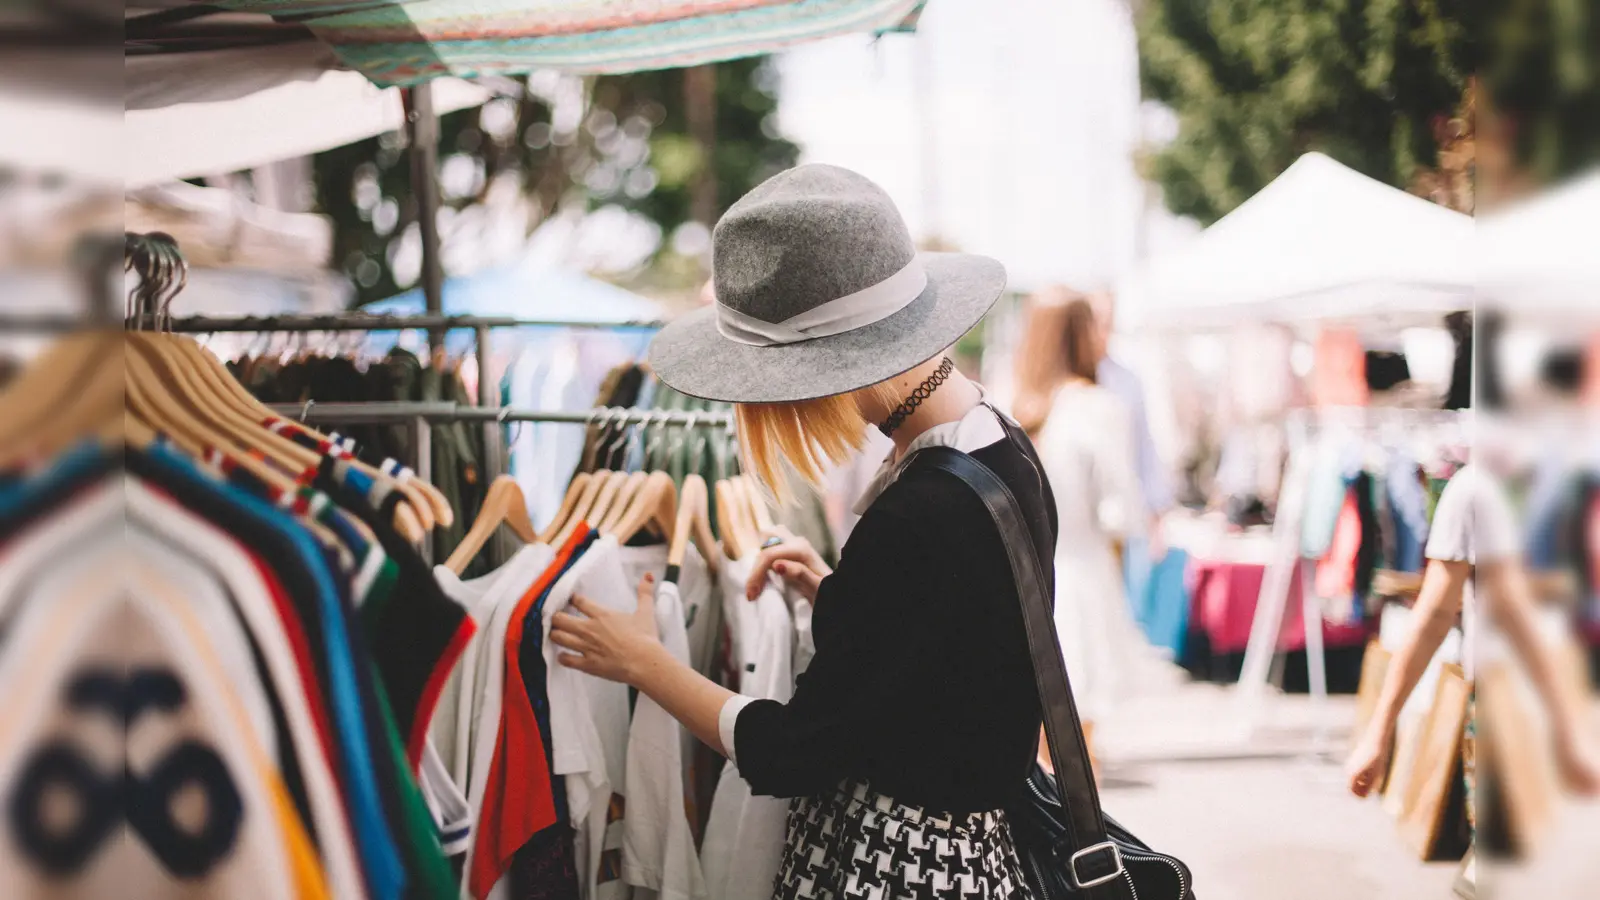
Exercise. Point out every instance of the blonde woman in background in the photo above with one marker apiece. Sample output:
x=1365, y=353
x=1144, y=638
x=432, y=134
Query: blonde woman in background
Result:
x=1085, y=438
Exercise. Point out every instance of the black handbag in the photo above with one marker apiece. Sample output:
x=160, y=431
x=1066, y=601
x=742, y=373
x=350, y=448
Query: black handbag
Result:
x=1070, y=849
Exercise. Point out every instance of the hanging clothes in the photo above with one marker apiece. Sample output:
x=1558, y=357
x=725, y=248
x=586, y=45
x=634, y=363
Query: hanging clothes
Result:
x=659, y=856
x=241, y=623
x=744, y=835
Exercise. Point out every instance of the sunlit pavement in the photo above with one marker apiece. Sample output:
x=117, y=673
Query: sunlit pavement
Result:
x=1259, y=818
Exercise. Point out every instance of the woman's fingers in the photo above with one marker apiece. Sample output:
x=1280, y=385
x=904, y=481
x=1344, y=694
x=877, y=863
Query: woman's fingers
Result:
x=795, y=552
x=567, y=622
x=589, y=607
x=804, y=578
x=647, y=596
x=571, y=640
x=578, y=661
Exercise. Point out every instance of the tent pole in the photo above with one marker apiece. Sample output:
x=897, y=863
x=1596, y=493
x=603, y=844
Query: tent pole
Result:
x=422, y=130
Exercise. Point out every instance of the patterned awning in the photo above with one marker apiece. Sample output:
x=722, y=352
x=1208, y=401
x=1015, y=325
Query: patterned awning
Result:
x=399, y=42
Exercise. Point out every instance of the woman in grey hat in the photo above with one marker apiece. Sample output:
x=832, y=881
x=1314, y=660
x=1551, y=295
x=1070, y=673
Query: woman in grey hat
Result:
x=918, y=719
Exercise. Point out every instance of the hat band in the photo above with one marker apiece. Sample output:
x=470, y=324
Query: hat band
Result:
x=864, y=307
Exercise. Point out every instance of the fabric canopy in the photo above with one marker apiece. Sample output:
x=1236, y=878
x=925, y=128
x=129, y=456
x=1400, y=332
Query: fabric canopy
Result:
x=293, y=119
x=401, y=42
x=1321, y=242
x=1538, y=260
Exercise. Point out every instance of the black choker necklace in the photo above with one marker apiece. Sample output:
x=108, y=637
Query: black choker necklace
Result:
x=923, y=392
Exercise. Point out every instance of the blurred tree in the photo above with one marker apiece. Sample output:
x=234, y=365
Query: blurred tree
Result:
x=1541, y=86
x=1256, y=83
x=619, y=140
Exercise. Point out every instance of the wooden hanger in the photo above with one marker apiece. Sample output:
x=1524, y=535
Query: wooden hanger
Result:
x=759, y=514
x=610, y=486
x=232, y=399
x=736, y=538
x=585, y=485
x=246, y=437
x=623, y=503
x=503, y=504
x=152, y=396
x=212, y=390
x=575, y=490
x=658, y=506
x=693, y=522
x=581, y=510
x=60, y=396
x=635, y=499
x=745, y=510
x=170, y=354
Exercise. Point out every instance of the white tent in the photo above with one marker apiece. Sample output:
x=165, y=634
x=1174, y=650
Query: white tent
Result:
x=1540, y=260
x=1321, y=242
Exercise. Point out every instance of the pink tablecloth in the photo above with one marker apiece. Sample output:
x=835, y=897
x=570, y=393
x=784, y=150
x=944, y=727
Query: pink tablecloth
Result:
x=1223, y=603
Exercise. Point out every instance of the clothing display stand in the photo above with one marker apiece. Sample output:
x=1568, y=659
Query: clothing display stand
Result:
x=1277, y=585
x=433, y=324
x=419, y=416
x=1286, y=565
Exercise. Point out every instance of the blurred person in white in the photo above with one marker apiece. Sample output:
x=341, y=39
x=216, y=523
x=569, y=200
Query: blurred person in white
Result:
x=1085, y=439
x=1475, y=537
x=1154, y=482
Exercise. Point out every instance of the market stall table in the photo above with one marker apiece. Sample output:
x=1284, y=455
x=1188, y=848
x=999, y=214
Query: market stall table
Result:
x=1224, y=581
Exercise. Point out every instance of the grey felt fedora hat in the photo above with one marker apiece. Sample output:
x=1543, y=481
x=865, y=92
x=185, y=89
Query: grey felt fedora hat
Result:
x=819, y=291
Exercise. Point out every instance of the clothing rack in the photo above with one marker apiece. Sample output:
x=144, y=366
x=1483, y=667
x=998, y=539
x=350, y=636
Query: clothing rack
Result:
x=359, y=321
x=1303, y=426
x=419, y=415
x=391, y=412
x=435, y=324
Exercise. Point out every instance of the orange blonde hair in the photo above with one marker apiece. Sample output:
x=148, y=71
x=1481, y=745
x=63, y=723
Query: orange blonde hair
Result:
x=803, y=438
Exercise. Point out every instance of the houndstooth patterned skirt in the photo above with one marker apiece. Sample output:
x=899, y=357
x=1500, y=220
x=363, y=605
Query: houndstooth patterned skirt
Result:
x=855, y=843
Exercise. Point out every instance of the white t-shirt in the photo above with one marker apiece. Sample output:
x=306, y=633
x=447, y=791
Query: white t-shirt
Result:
x=702, y=606
x=1473, y=522
x=805, y=646
x=453, y=816
x=479, y=680
x=745, y=834
x=589, y=728
x=658, y=850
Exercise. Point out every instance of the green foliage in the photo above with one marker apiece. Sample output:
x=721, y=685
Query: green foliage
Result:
x=1542, y=74
x=1257, y=83
x=630, y=147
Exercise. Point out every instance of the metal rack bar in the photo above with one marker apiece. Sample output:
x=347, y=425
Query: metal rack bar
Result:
x=364, y=322
x=422, y=133
x=387, y=412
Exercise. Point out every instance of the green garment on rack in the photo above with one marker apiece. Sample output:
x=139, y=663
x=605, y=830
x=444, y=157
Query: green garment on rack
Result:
x=457, y=448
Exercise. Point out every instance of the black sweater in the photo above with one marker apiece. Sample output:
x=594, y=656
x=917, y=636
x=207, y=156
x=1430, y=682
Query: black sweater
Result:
x=922, y=684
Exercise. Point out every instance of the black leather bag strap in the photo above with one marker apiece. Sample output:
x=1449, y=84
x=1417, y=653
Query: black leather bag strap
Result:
x=1093, y=861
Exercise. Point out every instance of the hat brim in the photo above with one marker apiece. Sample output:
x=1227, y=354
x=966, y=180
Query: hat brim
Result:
x=693, y=357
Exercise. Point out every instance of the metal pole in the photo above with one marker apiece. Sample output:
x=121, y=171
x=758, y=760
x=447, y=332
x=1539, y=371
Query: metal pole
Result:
x=345, y=322
x=422, y=128
x=402, y=411
x=422, y=439
x=494, y=461
x=494, y=449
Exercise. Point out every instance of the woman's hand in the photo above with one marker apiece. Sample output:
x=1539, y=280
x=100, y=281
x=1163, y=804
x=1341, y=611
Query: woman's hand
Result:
x=1369, y=761
x=607, y=644
x=791, y=558
x=1575, y=758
